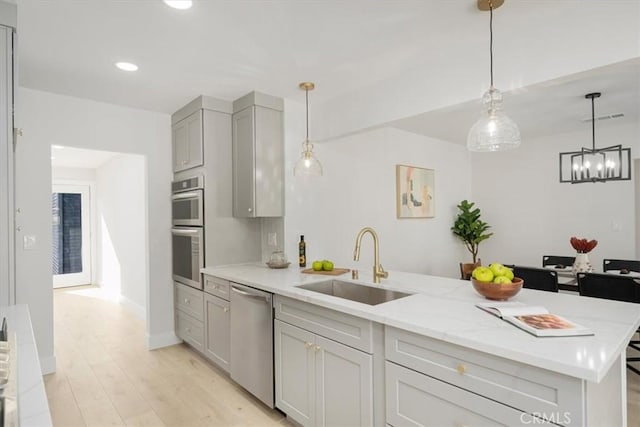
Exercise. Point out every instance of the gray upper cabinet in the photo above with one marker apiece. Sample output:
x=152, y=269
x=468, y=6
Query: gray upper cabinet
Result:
x=258, y=156
x=187, y=141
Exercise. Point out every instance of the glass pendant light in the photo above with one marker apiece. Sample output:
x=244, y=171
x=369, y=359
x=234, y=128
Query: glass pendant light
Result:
x=307, y=164
x=494, y=131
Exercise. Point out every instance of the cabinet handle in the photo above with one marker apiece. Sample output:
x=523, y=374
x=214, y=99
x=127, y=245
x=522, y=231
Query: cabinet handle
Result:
x=461, y=369
x=308, y=344
x=186, y=301
x=216, y=287
x=250, y=210
x=226, y=309
x=184, y=162
x=317, y=348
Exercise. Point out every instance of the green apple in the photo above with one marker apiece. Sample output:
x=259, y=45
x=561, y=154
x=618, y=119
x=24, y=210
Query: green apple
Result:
x=502, y=280
x=317, y=265
x=483, y=274
x=327, y=265
x=508, y=273
x=497, y=269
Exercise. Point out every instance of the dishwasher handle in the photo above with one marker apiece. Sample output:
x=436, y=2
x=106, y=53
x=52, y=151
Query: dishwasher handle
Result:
x=250, y=294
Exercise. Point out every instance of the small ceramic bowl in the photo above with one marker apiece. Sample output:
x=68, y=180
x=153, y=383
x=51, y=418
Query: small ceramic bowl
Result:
x=496, y=291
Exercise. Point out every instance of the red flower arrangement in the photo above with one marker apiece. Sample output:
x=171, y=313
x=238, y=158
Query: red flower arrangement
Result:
x=583, y=246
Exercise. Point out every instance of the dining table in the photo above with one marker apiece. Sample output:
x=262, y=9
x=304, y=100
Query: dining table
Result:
x=567, y=281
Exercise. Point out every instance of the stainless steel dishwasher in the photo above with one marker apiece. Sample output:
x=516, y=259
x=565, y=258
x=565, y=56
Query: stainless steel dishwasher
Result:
x=251, y=361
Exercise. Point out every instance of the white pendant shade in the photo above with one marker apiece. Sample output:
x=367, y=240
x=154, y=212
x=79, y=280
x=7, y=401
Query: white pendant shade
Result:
x=494, y=131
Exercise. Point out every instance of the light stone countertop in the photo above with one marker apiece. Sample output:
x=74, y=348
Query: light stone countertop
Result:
x=33, y=408
x=443, y=308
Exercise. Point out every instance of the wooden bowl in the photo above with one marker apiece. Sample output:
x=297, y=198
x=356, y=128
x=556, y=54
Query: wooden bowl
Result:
x=495, y=291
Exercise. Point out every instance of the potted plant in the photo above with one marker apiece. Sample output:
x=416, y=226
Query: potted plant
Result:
x=471, y=230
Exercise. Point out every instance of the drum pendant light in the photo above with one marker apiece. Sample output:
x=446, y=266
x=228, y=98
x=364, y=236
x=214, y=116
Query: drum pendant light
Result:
x=308, y=164
x=494, y=131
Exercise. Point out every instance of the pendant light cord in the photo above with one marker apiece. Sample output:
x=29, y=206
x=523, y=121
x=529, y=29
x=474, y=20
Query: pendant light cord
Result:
x=491, y=40
x=593, y=123
x=307, y=102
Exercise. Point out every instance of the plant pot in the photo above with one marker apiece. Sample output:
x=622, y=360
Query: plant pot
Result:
x=467, y=268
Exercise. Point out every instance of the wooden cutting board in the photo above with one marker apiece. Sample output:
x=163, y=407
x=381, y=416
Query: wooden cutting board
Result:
x=334, y=272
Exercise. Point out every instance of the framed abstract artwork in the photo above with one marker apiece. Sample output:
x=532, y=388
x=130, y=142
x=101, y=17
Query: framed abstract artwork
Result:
x=415, y=192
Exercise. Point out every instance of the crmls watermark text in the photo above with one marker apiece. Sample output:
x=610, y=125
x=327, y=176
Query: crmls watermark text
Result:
x=544, y=418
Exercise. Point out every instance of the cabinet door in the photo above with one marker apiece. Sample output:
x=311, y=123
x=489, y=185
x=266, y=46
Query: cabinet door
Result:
x=190, y=330
x=294, y=369
x=414, y=399
x=216, y=330
x=269, y=162
x=187, y=142
x=244, y=163
x=344, y=389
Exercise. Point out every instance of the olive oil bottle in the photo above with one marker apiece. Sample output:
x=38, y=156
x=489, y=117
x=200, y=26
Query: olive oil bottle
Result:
x=302, y=252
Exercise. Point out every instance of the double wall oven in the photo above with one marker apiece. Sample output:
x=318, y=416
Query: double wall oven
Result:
x=187, y=207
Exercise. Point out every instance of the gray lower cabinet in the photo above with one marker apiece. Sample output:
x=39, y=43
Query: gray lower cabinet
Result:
x=431, y=383
x=320, y=382
x=188, y=304
x=203, y=318
x=414, y=399
x=216, y=326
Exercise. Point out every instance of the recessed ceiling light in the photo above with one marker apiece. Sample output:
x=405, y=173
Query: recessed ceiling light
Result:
x=57, y=147
x=179, y=4
x=126, y=66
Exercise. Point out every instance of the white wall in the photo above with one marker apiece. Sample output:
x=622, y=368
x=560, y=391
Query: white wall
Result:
x=48, y=119
x=121, y=223
x=358, y=189
x=73, y=174
x=532, y=214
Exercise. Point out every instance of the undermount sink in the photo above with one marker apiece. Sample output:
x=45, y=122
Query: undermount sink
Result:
x=355, y=292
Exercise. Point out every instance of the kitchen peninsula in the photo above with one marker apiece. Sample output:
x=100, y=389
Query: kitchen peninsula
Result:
x=433, y=354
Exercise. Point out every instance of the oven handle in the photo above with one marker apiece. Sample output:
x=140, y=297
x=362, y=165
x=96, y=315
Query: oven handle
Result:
x=186, y=232
x=187, y=195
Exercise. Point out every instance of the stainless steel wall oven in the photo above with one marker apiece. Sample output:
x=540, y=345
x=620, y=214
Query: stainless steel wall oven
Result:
x=187, y=207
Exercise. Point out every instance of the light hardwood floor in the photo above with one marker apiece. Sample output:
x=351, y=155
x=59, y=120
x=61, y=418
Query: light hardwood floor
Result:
x=106, y=376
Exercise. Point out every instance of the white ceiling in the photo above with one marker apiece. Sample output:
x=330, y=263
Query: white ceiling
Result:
x=226, y=48
x=548, y=108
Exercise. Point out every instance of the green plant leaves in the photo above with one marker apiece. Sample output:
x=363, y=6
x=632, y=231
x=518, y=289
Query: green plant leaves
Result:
x=469, y=227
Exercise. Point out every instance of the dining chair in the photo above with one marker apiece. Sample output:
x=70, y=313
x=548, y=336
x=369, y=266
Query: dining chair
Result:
x=616, y=288
x=620, y=264
x=567, y=261
x=541, y=279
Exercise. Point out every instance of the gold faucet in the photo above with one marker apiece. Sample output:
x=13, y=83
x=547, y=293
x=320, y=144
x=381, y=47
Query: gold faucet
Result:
x=378, y=271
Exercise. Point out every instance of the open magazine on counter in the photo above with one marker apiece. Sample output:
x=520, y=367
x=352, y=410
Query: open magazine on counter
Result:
x=534, y=319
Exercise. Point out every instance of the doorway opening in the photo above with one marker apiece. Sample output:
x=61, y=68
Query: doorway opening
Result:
x=71, y=235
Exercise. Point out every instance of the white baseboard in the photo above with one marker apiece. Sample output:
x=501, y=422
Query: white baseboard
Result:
x=48, y=365
x=162, y=340
x=138, y=310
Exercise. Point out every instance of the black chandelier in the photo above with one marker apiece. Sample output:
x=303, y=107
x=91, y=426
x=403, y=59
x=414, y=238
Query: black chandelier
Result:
x=595, y=164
